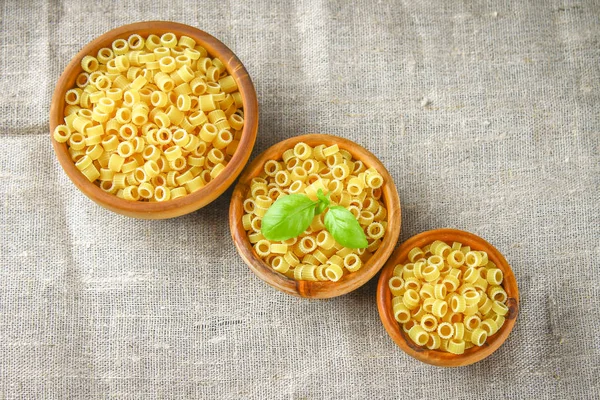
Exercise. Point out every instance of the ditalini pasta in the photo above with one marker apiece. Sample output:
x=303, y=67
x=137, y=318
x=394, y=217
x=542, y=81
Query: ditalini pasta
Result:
x=448, y=298
x=152, y=119
x=315, y=255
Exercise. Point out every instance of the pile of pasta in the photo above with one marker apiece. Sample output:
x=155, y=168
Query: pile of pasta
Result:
x=153, y=118
x=315, y=255
x=448, y=297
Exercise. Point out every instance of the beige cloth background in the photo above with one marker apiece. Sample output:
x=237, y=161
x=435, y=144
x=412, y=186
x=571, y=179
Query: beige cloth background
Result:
x=486, y=113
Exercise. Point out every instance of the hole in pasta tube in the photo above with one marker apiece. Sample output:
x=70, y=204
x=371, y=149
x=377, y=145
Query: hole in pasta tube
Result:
x=486, y=328
x=249, y=206
x=107, y=186
x=82, y=80
x=355, y=211
x=412, y=295
x=470, y=259
x=263, y=247
x=443, y=309
x=271, y=167
x=85, y=113
x=321, y=238
x=179, y=163
x=140, y=175
x=155, y=99
x=225, y=136
x=134, y=193
x=497, y=276
x=375, y=182
x=445, y=330
x=164, y=135
x=93, y=64
x=139, y=119
x=145, y=193
x=105, y=53
x=435, y=260
x=454, y=303
x=168, y=86
x=354, y=189
x=281, y=179
x=153, y=40
x=472, y=323
x=72, y=96
x=119, y=44
x=430, y=342
x=422, y=338
x=308, y=243
x=499, y=296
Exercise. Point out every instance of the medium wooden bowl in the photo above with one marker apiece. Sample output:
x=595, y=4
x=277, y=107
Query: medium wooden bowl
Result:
x=435, y=357
x=309, y=289
x=187, y=203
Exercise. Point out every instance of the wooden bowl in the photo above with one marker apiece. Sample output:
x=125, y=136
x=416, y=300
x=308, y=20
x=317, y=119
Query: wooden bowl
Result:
x=187, y=203
x=309, y=289
x=436, y=357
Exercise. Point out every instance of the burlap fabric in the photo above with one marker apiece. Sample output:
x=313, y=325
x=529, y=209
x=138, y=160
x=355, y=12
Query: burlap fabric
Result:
x=486, y=114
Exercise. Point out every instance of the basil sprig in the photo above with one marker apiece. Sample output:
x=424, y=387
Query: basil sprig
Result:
x=291, y=215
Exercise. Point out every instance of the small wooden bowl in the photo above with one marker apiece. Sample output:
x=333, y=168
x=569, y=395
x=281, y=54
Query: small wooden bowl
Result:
x=187, y=203
x=309, y=289
x=435, y=357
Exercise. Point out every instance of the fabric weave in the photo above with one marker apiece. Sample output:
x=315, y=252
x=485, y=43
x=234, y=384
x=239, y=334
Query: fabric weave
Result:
x=484, y=112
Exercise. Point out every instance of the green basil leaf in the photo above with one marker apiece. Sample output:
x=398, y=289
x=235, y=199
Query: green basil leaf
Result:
x=288, y=217
x=323, y=202
x=344, y=228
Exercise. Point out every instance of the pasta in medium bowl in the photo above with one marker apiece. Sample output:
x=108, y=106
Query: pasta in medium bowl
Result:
x=351, y=226
x=154, y=119
x=448, y=298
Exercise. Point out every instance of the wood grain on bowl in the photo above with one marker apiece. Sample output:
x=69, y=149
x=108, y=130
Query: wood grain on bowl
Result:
x=310, y=289
x=187, y=203
x=437, y=357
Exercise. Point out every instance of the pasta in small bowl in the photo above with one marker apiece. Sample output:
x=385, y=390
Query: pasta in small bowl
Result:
x=315, y=216
x=448, y=298
x=154, y=119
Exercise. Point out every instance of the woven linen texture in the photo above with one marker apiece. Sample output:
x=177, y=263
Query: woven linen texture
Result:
x=486, y=114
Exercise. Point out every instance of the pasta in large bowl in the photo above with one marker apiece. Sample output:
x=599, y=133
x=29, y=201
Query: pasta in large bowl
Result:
x=154, y=119
x=350, y=230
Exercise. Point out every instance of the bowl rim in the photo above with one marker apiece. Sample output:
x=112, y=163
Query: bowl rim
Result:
x=189, y=202
x=435, y=357
x=317, y=289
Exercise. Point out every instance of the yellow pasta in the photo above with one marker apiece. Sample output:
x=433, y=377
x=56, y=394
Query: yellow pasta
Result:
x=396, y=285
x=135, y=113
x=302, y=169
x=418, y=335
x=452, y=293
x=456, y=346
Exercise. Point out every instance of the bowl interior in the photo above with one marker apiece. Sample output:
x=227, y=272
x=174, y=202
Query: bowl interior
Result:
x=309, y=289
x=435, y=357
x=190, y=202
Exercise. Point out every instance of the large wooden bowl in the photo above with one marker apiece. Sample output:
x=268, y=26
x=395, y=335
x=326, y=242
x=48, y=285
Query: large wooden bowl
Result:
x=437, y=357
x=190, y=202
x=309, y=289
